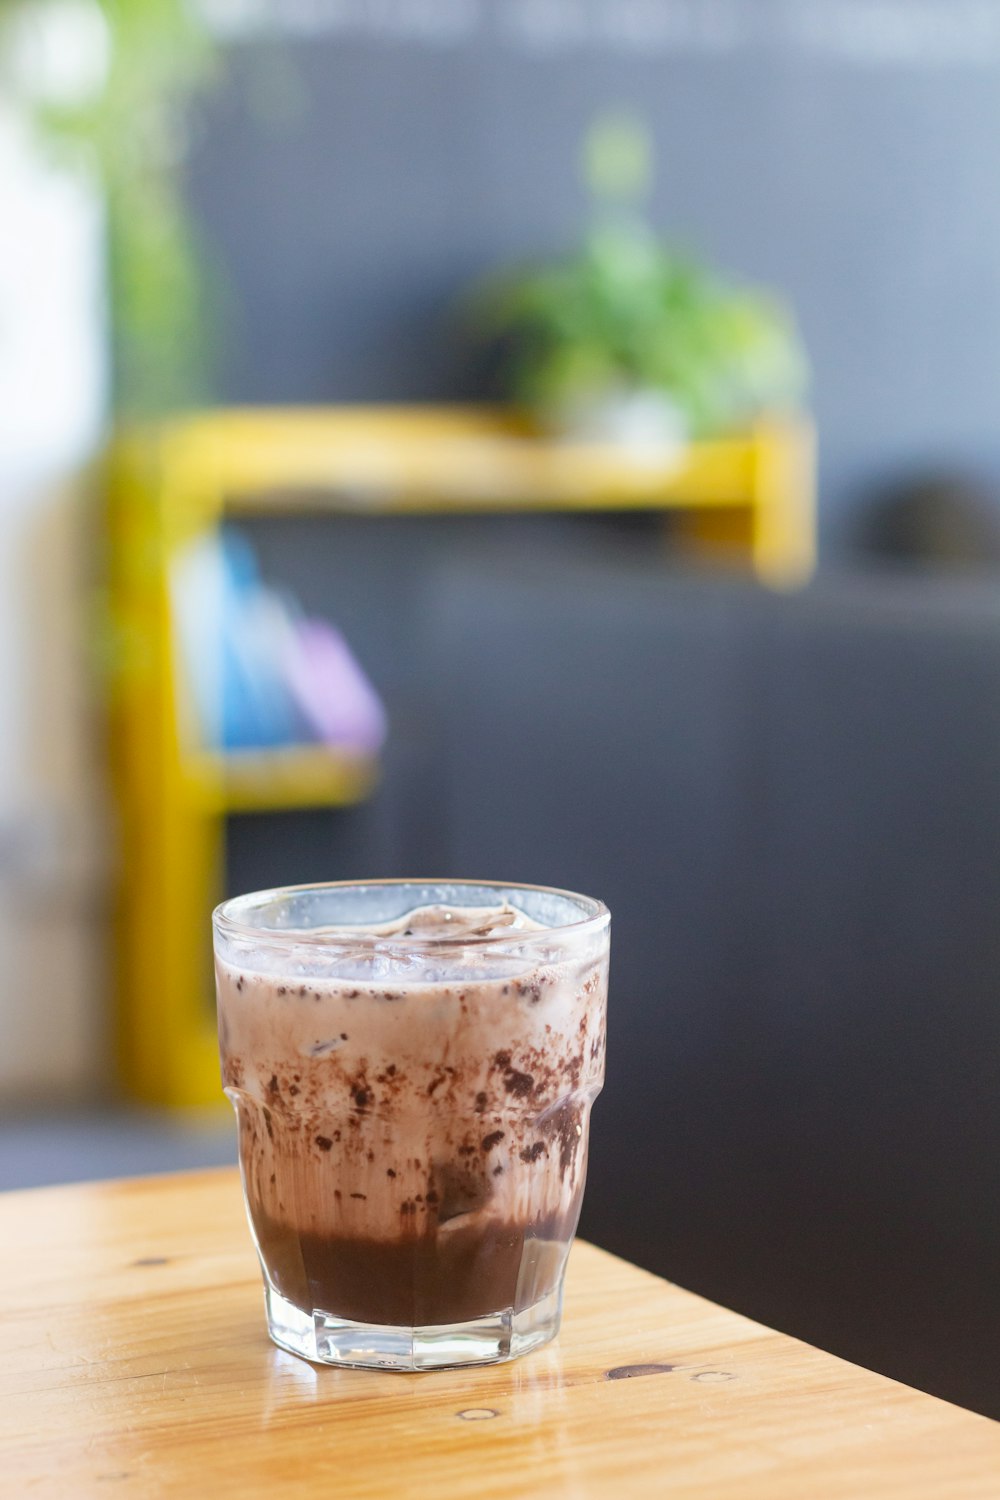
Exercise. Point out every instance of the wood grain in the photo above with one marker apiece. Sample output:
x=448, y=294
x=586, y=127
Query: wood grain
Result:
x=134, y=1362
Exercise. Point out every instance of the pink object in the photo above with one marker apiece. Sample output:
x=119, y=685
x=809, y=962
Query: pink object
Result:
x=330, y=689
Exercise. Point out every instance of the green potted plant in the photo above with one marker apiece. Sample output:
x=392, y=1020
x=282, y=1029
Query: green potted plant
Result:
x=106, y=85
x=629, y=339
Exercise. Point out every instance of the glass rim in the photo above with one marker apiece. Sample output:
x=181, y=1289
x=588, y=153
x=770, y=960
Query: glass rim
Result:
x=226, y=917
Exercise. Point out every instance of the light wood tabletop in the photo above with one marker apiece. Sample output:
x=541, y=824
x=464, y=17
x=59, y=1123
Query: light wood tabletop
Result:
x=134, y=1362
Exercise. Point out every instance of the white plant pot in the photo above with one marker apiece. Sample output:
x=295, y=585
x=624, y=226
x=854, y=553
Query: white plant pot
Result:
x=647, y=423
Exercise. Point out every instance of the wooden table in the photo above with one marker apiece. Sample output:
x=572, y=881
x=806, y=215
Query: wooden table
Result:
x=134, y=1362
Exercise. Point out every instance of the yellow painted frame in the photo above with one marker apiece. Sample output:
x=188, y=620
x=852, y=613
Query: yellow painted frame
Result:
x=752, y=492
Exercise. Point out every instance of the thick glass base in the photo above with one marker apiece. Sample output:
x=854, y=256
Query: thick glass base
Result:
x=488, y=1340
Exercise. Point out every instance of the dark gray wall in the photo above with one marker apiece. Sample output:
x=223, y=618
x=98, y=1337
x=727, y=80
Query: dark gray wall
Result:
x=356, y=168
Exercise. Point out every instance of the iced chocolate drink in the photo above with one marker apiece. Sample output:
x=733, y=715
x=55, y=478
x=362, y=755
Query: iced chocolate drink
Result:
x=412, y=1068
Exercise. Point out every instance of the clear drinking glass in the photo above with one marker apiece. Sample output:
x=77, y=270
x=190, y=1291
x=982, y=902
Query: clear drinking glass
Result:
x=412, y=1066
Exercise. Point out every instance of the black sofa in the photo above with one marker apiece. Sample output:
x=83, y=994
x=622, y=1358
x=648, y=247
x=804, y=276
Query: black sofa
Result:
x=792, y=807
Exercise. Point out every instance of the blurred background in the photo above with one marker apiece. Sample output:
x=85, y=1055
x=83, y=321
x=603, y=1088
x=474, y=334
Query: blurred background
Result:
x=547, y=440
